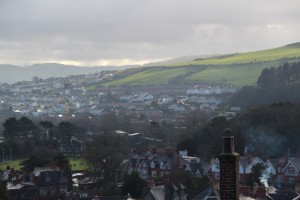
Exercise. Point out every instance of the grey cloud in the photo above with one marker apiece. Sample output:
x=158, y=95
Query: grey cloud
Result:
x=134, y=29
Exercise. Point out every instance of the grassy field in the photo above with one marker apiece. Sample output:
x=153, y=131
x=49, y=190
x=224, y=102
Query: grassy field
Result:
x=76, y=164
x=288, y=51
x=235, y=75
x=237, y=69
x=151, y=76
x=13, y=164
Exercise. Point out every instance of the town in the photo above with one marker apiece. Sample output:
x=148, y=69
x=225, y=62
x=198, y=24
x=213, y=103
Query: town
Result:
x=138, y=141
x=88, y=96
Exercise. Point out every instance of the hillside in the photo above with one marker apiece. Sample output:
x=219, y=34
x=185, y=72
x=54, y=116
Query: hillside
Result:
x=287, y=51
x=13, y=73
x=238, y=69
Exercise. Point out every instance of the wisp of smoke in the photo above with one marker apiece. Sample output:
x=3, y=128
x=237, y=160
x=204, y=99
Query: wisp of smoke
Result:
x=263, y=141
x=265, y=175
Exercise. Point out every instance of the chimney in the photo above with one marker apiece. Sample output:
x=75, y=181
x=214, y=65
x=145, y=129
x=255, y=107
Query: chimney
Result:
x=229, y=169
x=153, y=150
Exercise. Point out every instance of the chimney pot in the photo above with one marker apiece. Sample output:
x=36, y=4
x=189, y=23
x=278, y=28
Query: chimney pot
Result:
x=228, y=144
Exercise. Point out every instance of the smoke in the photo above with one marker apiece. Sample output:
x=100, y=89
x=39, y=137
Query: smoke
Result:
x=248, y=149
x=262, y=141
x=265, y=176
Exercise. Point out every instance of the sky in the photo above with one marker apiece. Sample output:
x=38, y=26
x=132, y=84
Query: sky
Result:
x=128, y=32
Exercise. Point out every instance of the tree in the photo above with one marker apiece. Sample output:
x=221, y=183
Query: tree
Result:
x=105, y=153
x=194, y=185
x=47, y=125
x=10, y=129
x=26, y=127
x=188, y=144
x=255, y=175
x=3, y=190
x=66, y=130
x=32, y=162
x=133, y=185
x=109, y=122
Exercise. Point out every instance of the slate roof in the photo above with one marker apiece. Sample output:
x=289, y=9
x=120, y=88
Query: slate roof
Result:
x=48, y=178
x=158, y=192
x=275, y=161
x=296, y=162
x=283, y=196
x=195, y=167
x=166, y=191
x=244, y=161
x=207, y=194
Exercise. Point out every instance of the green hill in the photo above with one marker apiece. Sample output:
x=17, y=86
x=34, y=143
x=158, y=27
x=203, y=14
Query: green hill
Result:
x=238, y=69
x=288, y=51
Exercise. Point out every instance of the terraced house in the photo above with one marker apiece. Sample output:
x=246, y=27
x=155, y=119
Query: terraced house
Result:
x=153, y=164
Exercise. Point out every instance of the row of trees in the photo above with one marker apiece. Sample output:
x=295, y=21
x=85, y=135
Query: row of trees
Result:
x=23, y=135
x=268, y=130
x=274, y=85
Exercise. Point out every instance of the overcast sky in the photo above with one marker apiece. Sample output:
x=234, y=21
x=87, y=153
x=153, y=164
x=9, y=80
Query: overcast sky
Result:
x=121, y=32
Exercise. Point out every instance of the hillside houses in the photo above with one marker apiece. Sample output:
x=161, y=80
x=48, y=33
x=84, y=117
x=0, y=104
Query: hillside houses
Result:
x=150, y=165
x=210, y=90
x=77, y=96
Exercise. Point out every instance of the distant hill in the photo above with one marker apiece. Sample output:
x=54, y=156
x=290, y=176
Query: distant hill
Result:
x=237, y=68
x=12, y=73
x=174, y=61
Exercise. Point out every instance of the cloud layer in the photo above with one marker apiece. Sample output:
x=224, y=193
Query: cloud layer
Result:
x=118, y=32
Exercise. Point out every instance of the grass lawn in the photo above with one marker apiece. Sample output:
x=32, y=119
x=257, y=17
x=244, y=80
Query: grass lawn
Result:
x=151, y=76
x=13, y=164
x=76, y=164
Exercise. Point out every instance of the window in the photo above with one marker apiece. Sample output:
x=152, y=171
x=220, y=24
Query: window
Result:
x=63, y=180
x=152, y=165
x=217, y=166
x=154, y=173
x=278, y=169
x=291, y=180
x=217, y=176
x=280, y=179
x=198, y=173
x=291, y=170
x=43, y=191
x=48, y=179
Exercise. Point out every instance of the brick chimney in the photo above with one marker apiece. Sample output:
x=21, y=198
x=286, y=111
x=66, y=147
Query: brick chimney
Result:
x=229, y=169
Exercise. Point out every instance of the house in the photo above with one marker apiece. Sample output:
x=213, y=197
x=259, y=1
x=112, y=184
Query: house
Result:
x=291, y=172
x=41, y=183
x=73, y=147
x=23, y=191
x=152, y=164
x=208, y=194
x=51, y=183
x=169, y=191
x=176, y=108
x=195, y=169
x=193, y=166
x=245, y=166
